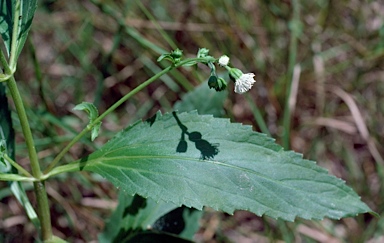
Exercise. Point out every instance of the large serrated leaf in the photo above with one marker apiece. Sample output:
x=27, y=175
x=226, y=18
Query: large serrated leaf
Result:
x=7, y=17
x=221, y=165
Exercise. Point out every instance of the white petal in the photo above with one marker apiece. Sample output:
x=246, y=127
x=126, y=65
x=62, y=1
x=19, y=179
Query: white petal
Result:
x=244, y=83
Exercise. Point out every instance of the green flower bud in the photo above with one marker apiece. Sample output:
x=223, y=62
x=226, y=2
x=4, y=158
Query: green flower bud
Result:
x=222, y=84
x=176, y=53
x=219, y=84
x=203, y=52
x=212, y=82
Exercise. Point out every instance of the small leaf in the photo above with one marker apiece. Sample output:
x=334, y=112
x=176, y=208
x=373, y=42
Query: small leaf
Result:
x=246, y=170
x=165, y=56
x=93, y=113
x=89, y=108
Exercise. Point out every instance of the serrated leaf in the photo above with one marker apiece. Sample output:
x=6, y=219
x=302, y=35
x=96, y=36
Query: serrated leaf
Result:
x=93, y=113
x=225, y=166
x=133, y=214
x=7, y=12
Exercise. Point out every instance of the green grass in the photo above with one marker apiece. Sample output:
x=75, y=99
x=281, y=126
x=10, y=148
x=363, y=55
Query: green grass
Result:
x=97, y=51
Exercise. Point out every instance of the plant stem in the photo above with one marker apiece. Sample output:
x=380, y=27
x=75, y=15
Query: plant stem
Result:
x=117, y=104
x=16, y=165
x=295, y=32
x=25, y=127
x=41, y=194
x=43, y=210
x=98, y=119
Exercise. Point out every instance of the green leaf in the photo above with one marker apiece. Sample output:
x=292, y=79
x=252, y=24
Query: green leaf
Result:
x=7, y=134
x=224, y=166
x=6, y=24
x=133, y=214
x=181, y=221
x=166, y=56
x=26, y=11
x=205, y=100
x=93, y=113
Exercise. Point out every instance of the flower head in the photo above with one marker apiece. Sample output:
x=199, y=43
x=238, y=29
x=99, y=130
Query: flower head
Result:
x=243, y=82
x=223, y=60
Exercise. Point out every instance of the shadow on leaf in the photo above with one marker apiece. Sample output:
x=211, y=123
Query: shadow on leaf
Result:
x=207, y=150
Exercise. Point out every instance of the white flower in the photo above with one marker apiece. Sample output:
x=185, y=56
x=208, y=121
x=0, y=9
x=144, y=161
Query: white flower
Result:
x=244, y=83
x=223, y=60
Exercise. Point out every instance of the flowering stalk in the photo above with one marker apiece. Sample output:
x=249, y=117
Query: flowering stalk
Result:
x=243, y=82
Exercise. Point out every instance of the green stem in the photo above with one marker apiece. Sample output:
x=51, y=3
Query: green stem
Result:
x=43, y=210
x=117, y=104
x=41, y=194
x=71, y=167
x=295, y=32
x=25, y=127
x=101, y=117
x=16, y=165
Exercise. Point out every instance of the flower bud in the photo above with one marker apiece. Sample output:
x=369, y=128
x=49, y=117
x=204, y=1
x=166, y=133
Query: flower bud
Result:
x=203, y=52
x=222, y=84
x=212, y=82
x=176, y=53
x=223, y=60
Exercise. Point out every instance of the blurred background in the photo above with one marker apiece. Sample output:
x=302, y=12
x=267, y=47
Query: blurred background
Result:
x=319, y=67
